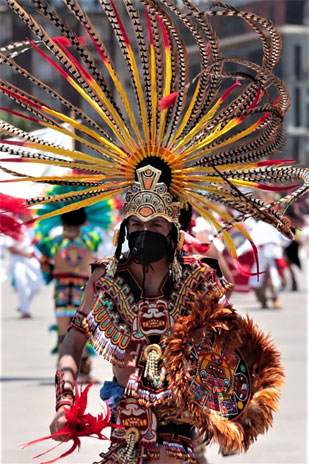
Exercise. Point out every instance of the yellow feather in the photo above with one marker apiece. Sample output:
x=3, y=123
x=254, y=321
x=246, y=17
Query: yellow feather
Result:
x=229, y=243
x=199, y=126
x=217, y=133
x=101, y=113
x=70, y=154
x=232, y=139
x=219, y=180
x=125, y=100
x=102, y=140
x=65, y=164
x=153, y=94
x=81, y=204
x=184, y=155
x=167, y=90
x=130, y=142
x=110, y=190
x=186, y=117
x=57, y=178
x=140, y=94
x=96, y=147
x=227, y=238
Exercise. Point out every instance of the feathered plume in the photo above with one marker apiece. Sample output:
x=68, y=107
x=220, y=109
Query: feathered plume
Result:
x=213, y=133
x=78, y=424
x=9, y=223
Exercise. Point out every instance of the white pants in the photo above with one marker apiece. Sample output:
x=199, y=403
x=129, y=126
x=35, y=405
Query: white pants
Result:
x=267, y=259
x=28, y=280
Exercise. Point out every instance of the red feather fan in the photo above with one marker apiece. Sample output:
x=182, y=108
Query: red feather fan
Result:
x=12, y=204
x=9, y=225
x=78, y=425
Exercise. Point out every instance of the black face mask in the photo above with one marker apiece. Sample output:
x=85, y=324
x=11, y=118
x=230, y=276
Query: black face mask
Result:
x=148, y=247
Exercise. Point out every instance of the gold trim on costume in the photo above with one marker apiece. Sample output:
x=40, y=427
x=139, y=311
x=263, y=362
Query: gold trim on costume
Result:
x=148, y=198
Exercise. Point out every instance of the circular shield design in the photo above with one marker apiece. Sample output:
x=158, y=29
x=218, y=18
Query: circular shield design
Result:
x=220, y=380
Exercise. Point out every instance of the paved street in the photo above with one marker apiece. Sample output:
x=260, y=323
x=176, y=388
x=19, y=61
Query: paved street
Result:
x=28, y=393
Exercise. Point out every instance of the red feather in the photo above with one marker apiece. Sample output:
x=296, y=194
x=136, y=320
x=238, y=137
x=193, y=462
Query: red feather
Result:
x=10, y=226
x=12, y=204
x=229, y=90
x=62, y=41
x=167, y=101
x=13, y=160
x=245, y=273
x=82, y=40
x=194, y=246
x=269, y=162
x=273, y=188
x=78, y=425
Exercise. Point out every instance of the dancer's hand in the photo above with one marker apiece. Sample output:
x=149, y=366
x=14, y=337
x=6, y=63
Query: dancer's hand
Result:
x=58, y=423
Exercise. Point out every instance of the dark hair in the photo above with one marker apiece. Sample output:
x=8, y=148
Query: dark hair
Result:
x=74, y=218
x=185, y=217
x=158, y=163
x=121, y=238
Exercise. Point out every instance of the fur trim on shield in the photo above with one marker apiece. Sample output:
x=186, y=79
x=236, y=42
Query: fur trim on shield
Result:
x=264, y=366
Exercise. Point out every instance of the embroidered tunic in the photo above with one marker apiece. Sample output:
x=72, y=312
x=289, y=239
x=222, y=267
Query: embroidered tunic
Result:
x=120, y=317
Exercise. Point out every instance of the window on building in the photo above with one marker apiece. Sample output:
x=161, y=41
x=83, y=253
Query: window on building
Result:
x=297, y=62
x=297, y=106
x=294, y=11
x=296, y=149
x=271, y=12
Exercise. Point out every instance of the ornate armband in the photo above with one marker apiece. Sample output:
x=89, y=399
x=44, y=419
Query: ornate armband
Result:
x=77, y=321
x=64, y=396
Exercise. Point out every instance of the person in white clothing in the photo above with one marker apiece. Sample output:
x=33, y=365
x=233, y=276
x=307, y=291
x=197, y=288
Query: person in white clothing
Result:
x=270, y=244
x=24, y=267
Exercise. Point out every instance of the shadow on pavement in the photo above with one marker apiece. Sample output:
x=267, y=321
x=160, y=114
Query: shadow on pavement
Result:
x=42, y=380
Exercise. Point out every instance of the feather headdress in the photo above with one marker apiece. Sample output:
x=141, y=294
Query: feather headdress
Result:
x=213, y=131
x=101, y=214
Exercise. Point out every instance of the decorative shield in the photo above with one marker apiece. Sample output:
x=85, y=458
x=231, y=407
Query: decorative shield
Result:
x=224, y=372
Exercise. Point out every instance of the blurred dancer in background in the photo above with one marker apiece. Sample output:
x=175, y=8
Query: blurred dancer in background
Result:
x=68, y=244
x=269, y=243
x=24, y=269
x=291, y=251
x=66, y=259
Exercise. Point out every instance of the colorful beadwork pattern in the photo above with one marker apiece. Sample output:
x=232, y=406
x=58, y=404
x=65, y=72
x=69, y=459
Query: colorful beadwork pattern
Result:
x=119, y=315
x=221, y=381
x=69, y=293
x=49, y=246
